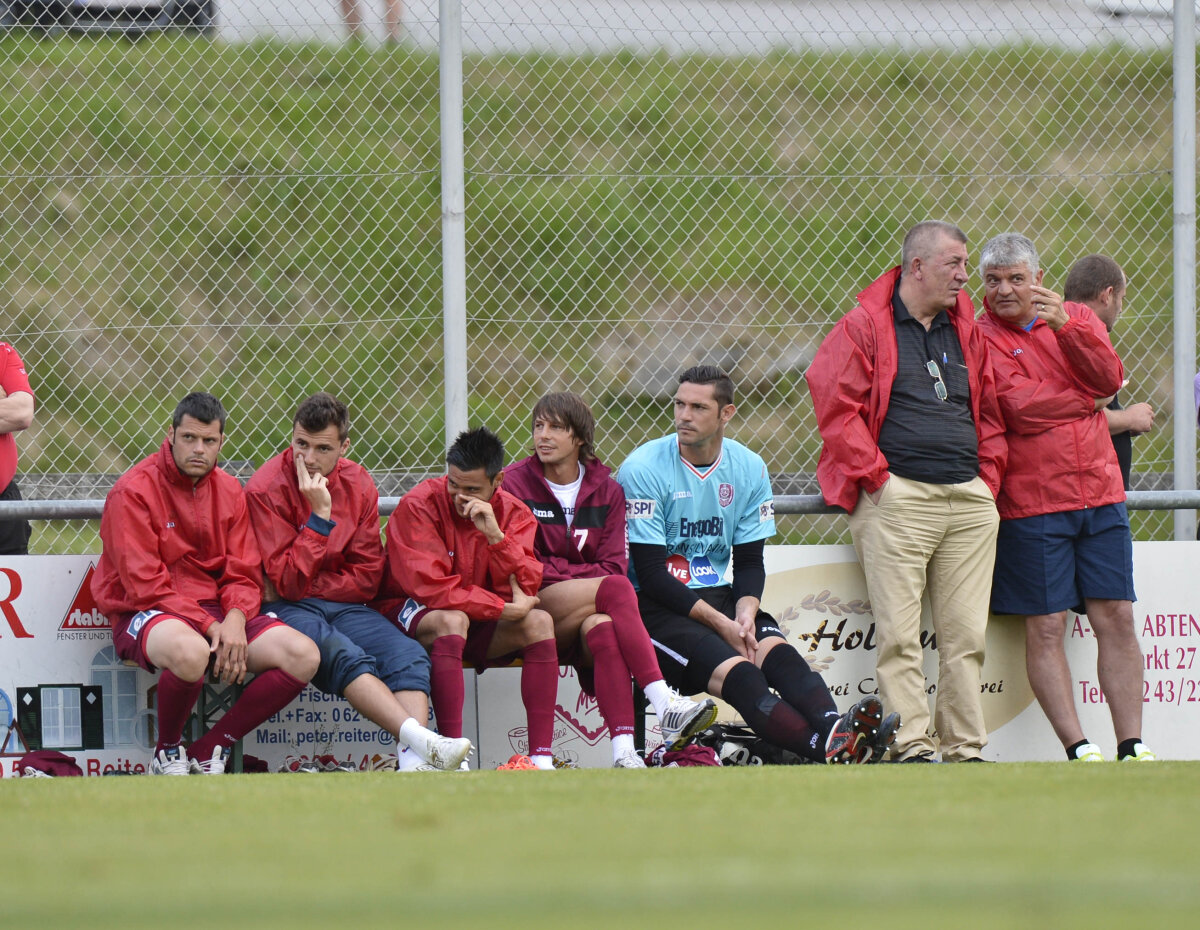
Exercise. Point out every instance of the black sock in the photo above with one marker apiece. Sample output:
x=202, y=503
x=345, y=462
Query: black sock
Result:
x=1071, y=749
x=1126, y=746
x=805, y=690
x=776, y=721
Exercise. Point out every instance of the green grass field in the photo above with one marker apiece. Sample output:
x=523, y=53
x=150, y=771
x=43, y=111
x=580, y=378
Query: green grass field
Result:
x=1039, y=845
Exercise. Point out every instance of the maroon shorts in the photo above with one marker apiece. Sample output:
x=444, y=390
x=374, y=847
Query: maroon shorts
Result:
x=129, y=631
x=479, y=636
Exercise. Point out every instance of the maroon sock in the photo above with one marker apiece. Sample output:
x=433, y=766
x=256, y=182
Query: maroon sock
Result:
x=269, y=692
x=615, y=596
x=539, y=690
x=446, y=691
x=776, y=721
x=613, y=694
x=175, y=698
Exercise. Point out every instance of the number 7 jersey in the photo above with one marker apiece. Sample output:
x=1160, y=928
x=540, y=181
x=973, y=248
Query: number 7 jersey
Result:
x=698, y=514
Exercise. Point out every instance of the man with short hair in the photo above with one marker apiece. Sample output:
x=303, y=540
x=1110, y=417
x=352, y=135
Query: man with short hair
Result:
x=316, y=516
x=1064, y=531
x=695, y=501
x=16, y=414
x=580, y=542
x=1099, y=283
x=461, y=578
x=179, y=578
x=913, y=451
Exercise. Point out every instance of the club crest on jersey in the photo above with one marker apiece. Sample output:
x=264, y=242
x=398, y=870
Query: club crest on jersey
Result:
x=725, y=494
x=639, y=509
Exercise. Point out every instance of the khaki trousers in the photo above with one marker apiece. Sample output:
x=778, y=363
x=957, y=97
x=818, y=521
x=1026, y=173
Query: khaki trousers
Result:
x=939, y=538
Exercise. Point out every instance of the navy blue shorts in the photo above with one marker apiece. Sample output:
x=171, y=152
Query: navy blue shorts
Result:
x=355, y=640
x=1054, y=561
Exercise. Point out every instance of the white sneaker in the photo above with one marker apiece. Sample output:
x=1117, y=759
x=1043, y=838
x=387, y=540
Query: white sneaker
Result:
x=445, y=752
x=1089, y=752
x=629, y=760
x=173, y=761
x=685, y=718
x=214, y=766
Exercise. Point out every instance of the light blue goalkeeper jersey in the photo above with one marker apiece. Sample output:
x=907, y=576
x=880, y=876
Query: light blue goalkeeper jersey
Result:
x=698, y=514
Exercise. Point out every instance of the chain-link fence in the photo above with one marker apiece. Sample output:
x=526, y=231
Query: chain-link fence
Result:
x=238, y=199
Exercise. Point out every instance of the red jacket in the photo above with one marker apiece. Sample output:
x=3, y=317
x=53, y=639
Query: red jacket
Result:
x=13, y=379
x=1060, y=455
x=169, y=546
x=343, y=565
x=442, y=561
x=594, y=545
x=850, y=381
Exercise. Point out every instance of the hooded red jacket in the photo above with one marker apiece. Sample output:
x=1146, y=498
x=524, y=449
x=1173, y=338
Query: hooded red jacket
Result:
x=169, y=545
x=344, y=565
x=850, y=381
x=594, y=545
x=1060, y=455
x=442, y=561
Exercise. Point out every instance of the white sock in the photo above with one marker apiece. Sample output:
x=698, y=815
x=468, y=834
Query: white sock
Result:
x=406, y=758
x=660, y=695
x=621, y=745
x=416, y=737
x=543, y=762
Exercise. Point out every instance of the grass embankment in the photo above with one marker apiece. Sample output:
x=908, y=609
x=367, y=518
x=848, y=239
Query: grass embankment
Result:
x=1044, y=845
x=263, y=221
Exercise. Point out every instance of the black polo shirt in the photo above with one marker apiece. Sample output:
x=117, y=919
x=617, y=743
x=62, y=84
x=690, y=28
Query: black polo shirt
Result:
x=1123, y=445
x=925, y=438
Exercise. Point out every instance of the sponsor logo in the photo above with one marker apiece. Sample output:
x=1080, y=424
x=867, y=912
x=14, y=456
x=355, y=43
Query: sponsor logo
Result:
x=139, y=620
x=703, y=572
x=725, y=494
x=681, y=495
x=712, y=526
x=639, y=509
x=82, y=614
x=585, y=719
x=410, y=609
x=542, y=514
x=766, y=511
x=6, y=604
x=1017, y=352
x=679, y=569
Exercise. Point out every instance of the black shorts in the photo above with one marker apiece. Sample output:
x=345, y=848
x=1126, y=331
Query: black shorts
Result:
x=14, y=534
x=688, y=651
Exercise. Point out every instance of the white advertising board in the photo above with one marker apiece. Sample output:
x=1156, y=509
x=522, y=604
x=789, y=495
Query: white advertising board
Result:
x=62, y=687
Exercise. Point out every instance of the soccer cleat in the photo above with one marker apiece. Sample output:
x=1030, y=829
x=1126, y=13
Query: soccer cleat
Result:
x=1088, y=752
x=859, y=724
x=684, y=718
x=561, y=763
x=1141, y=753
x=173, y=761
x=629, y=760
x=214, y=766
x=873, y=750
x=447, y=753
x=517, y=763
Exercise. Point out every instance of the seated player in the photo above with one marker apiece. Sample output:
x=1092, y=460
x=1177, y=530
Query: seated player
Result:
x=179, y=578
x=461, y=578
x=694, y=502
x=316, y=516
x=580, y=542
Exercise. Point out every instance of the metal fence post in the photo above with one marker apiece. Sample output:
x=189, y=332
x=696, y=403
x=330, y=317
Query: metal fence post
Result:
x=454, y=261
